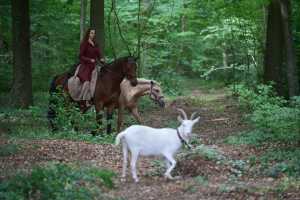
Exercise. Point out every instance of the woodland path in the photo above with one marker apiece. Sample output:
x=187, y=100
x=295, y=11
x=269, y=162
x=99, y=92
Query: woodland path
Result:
x=216, y=171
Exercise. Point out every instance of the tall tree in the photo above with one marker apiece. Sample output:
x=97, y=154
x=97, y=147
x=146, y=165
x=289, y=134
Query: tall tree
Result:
x=292, y=75
x=97, y=21
x=280, y=58
x=21, y=92
x=273, y=70
x=83, y=7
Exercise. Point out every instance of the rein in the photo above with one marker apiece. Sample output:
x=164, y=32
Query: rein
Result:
x=152, y=93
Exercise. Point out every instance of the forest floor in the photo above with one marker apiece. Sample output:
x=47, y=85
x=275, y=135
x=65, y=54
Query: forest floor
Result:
x=213, y=170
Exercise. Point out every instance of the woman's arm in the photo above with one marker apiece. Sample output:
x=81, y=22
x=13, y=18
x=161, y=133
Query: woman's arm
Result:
x=82, y=56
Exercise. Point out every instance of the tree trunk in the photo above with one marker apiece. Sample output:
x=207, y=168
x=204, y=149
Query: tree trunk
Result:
x=83, y=7
x=273, y=65
x=97, y=21
x=21, y=92
x=292, y=75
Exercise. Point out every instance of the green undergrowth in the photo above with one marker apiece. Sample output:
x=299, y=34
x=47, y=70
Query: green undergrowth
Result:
x=10, y=149
x=275, y=125
x=58, y=181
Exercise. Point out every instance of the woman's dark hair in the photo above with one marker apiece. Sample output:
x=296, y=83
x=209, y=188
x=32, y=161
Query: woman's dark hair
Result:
x=87, y=34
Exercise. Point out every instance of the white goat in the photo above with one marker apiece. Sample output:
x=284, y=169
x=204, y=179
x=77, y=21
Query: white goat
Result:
x=146, y=141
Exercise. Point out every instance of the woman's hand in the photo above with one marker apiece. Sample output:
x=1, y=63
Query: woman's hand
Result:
x=102, y=60
x=92, y=60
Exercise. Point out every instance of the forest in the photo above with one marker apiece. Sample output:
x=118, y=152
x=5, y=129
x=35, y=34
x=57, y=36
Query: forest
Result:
x=234, y=62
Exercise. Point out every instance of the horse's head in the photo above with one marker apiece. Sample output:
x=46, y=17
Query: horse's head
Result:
x=156, y=94
x=130, y=70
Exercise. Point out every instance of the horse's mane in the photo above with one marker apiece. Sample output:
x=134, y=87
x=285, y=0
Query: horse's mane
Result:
x=118, y=60
x=114, y=63
x=146, y=81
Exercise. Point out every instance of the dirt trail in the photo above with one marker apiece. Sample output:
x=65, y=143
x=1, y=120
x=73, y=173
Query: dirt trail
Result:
x=203, y=177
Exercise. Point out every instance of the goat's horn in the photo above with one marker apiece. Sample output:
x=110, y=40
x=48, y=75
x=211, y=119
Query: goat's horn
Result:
x=183, y=113
x=193, y=115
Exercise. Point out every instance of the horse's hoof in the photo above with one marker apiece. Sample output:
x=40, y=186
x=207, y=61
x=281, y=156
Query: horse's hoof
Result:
x=93, y=133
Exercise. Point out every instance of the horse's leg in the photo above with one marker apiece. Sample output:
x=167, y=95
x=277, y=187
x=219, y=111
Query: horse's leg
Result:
x=52, y=104
x=109, y=118
x=99, y=115
x=120, y=118
x=136, y=115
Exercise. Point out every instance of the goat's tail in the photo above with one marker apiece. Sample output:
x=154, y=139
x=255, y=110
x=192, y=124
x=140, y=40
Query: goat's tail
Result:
x=119, y=137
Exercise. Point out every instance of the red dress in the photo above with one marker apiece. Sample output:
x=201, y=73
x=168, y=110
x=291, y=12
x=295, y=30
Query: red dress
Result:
x=87, y=52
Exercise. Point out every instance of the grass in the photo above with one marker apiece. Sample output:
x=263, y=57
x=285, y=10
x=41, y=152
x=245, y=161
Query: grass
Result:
x=58, y=181
x=276, y=160
x=201, y=180
x=9, y=149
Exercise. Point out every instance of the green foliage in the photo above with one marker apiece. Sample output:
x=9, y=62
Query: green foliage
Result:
x=220, y=40
x=202, y=180
x=271, y=115
x=257, y=98
x=32, y=123
x=68, y=114
x=9, y=149
x=287, y=161
x=288, y=183
x=58, y=181
x=275, y=121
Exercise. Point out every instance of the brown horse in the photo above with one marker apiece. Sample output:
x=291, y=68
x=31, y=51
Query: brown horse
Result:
x=107, y=89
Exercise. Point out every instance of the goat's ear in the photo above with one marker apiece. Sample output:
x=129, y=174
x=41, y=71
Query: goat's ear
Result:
x=179, y=118
x=196, y=120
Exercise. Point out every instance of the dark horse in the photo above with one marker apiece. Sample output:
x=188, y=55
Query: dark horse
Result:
x=107, y=89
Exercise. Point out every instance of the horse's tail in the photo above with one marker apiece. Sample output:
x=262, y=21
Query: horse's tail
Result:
x=53, y=86
x=52, y=103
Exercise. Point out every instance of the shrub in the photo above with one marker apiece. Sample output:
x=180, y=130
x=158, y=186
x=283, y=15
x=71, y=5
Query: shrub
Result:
x=57, y=181
x=271, y=115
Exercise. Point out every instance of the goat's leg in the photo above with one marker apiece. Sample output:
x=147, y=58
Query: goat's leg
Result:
x=136, y=115
x=173, y=164
x=168, y=164
x=125, y=158
x=134, y=157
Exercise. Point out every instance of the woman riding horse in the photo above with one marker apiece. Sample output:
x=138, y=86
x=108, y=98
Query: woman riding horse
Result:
x=107, y=89
x=89, y=53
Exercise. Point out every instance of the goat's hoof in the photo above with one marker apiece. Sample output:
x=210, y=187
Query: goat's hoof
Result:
x=169, y=177
x=123, y=179
x=177, y=177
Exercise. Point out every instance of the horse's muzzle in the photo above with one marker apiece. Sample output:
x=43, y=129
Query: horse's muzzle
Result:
x=161, y=102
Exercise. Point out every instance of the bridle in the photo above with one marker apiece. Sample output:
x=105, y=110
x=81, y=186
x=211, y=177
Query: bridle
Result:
x=156, y=97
